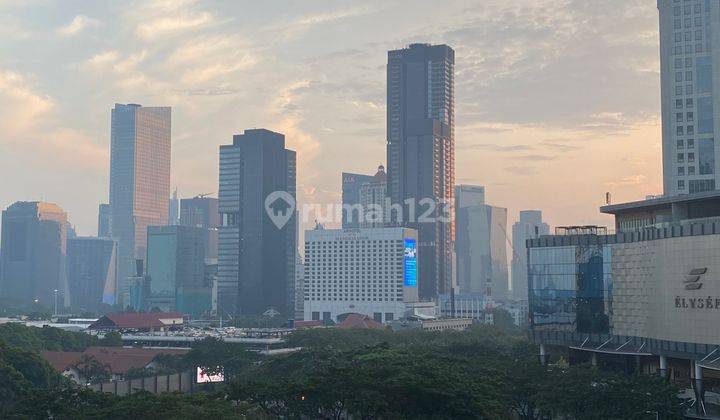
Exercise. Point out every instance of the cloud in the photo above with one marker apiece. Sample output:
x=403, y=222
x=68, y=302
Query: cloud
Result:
x=21, y=106
x=170, y=25
x=77, y=25
x=628, y=181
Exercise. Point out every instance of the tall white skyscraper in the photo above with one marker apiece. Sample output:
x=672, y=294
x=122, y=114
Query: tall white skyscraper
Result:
x=690, y=83
x=529, y=226
x=139, y=181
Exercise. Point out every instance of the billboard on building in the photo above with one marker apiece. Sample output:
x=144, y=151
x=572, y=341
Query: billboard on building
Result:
x=410, y=263
x=203, y=376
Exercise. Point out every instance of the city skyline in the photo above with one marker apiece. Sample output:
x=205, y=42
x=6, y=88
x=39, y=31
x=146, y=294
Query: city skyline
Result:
x=506, y=137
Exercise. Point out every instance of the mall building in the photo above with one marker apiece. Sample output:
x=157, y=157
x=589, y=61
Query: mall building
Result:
x=644, y=299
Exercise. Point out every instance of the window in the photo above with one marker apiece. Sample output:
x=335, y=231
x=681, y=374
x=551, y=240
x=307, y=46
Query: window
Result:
x=690, y=117
x=678, y=36
x=678, y=76
x=690, y=130
x=688, y=9
x=688, y=22
x=691, y=157
x=689, y=89
x=706, y=150
x=677, y=24
x=679, y=117
x=681, y=185
x=680, y=144
x=698, y=35
x=680, y=130
x=689, y=103
x=698, y=48
x=688, y=76
x=678, y=103
x=676, y=11
x=688, y=36
x=691, y=143
x=691, y=170
x=705, y=115
x=678, y=49
x=704, y=74
x=680, y=158
x=678, y=90
x=681, y=171
x=697, y=8
x=698, y=21
x=688, y=62
x=678, y=63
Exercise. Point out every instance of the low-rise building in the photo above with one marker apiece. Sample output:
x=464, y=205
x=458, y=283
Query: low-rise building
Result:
x=139, y=321
x=646, y=298
x=116, y=361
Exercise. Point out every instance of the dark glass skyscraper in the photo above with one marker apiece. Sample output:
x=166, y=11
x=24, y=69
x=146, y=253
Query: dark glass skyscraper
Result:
x=257, y=252
x=139, y=181
x=33, y=257
x=92, y=270
x=421, y=154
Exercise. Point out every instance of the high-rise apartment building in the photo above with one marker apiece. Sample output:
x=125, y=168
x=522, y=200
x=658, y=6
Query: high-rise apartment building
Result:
x=103, y=220
x=33, y=254
x=352, y=208
x=421, y=154
x=530, y=226
x=258, y=241
x=91, y=273
x=372, y=272
x=690, y=90
x=373, y=200
x=480, y=248
x=139, y=181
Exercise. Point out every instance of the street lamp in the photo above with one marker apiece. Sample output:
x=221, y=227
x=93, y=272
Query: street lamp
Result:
x=55, y=293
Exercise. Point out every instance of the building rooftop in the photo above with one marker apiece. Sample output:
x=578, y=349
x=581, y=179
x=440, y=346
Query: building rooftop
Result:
x=662, y=202
x=138, y=320
x=360, y=321
x=119, y=360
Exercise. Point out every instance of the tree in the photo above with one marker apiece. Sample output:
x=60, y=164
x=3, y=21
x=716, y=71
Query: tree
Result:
x=92, y=370
x=111, y=339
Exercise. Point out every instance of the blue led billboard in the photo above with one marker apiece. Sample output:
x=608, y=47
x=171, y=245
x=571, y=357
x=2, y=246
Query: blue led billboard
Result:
x=410, y=263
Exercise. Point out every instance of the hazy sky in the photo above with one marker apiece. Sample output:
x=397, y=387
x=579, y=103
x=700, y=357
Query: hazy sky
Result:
x=557, y=100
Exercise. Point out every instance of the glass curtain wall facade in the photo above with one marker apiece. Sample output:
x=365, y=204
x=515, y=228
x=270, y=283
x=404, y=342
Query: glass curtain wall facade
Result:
x=256, y=256
x=139, y=181
x=33, y=257
x=92, y=269
x=570, y=287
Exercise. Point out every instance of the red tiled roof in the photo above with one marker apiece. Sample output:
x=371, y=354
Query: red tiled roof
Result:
x=118, y=359
x=135, y=320
x=308, y=324
x=60, y=360
x=360, y=321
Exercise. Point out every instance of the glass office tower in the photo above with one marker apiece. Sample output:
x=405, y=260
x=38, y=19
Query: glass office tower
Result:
x=139, y=181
